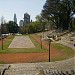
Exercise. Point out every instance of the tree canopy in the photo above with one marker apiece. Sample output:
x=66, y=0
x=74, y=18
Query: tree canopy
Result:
x=12, y=27
x=60, y=12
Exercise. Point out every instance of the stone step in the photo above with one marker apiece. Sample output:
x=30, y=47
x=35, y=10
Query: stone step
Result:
x=59, y=72
x=21, y=69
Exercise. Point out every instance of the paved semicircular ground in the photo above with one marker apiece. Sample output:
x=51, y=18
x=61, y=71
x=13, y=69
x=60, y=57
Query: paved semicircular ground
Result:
x=21, y=42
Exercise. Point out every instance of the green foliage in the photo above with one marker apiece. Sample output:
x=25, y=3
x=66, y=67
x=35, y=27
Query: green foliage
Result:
x=73, y=24
x=12, y=27
x=39, y=18
x=67, y=51
x=4, y=28
x=60, y=12
x=23, y=30
x=38, y=26
x=33, y=27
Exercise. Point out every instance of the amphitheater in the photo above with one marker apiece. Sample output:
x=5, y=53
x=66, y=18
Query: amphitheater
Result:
x=64, y=67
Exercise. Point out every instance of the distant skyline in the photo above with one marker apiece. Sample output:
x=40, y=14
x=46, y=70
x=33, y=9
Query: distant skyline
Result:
x=9, y=7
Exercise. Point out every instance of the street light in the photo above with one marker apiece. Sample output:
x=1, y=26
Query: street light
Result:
x=49, y=45
x=49, y=49
x=49, y=40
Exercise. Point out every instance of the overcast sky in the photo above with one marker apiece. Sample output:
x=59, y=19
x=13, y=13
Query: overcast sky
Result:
x=9, y=7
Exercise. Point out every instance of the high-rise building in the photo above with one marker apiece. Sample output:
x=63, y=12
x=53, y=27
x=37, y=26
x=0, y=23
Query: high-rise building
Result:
x=21, y=23
x=15, y=18
x=26, y=18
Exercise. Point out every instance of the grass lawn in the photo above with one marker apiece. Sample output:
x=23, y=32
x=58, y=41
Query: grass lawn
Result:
x=67, y=51
x=21, y=50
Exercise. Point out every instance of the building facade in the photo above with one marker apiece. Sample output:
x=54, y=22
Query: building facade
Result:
x=26, y=18
x=15, y=18
x=21, y=23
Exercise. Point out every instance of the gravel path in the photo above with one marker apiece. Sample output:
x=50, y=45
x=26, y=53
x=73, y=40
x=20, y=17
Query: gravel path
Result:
x=21, y=42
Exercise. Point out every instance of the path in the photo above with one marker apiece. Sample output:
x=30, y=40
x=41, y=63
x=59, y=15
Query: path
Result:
x=24, y=57
x=21, y=42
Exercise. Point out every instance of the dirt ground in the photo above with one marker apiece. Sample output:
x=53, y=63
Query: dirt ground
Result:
x=30, y=57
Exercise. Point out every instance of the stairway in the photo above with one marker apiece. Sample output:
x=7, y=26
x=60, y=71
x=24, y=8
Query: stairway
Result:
x=22, y=69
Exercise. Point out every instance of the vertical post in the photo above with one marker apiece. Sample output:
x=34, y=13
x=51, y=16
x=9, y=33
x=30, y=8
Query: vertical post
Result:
x=2, y=22
x=41, y=41
x=43, y=33
x=2, y=42
x=49, y=51
x=2, y=35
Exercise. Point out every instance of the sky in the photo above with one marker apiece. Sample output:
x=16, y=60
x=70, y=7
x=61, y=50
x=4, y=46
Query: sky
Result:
x=9, y=7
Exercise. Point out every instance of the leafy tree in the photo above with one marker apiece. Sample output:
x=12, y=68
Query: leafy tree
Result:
x=23, y=30
x=60, y=12
x=73, y=23
x=4, y=28
x=12, y=27
x=41, y=21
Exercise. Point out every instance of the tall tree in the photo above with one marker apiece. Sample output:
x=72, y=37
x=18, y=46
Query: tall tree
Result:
x=12, y=27
x=41, y=21
x=60, y=12
x=3, y=28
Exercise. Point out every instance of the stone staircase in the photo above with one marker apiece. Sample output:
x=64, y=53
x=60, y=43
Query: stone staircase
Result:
x=59, y=72
x=64, y=67
x=21, y=69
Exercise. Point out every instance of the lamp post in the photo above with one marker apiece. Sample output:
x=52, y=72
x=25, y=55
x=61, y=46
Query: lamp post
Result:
x=49, y=40
x=41, y=41
x=49, y=49
x=49, y=45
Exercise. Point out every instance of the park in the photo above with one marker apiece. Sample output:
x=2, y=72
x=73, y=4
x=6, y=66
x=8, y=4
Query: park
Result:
x=27, y=49
x=36, y=43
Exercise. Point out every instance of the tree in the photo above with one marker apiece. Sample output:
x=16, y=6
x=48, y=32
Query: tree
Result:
x=60, y=12
x=41, y=21
x=23, y=30
x=73, y=23
x=38, y=18
x=12, y=27
x=3, y=28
